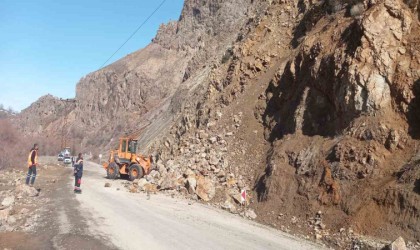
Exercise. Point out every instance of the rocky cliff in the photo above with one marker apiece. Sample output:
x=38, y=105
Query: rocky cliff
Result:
x=137, y=90
x=309, y=105
x=46, y=114
x=312, y=108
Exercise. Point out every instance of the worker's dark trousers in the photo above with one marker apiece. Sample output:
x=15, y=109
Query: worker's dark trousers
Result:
x=31, y=172
x=77, y=182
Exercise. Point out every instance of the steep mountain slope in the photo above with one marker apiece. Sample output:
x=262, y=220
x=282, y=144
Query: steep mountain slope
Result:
x=46, y=114
x=136, y=90
x=310, y=105
x=314, y=110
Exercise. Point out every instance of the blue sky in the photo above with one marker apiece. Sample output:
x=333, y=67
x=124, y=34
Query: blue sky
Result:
x=46, y=46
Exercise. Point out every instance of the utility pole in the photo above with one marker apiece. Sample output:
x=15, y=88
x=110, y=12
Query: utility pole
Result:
x=64, y=132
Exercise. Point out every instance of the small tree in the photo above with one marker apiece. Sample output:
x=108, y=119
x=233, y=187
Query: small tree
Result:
x=10, y=110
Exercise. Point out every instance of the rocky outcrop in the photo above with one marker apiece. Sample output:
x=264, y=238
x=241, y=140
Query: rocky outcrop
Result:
x=129, y=94
x=336, y=113
x=351, y=71
x=344, y=97
x=46, y=114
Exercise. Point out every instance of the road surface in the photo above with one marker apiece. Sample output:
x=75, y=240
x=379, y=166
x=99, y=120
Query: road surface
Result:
x=131, y=221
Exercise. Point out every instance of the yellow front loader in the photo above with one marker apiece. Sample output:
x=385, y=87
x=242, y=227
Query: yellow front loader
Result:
x=125, y=161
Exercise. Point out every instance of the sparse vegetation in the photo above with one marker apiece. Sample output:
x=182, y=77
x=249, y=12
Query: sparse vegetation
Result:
x=14, y=147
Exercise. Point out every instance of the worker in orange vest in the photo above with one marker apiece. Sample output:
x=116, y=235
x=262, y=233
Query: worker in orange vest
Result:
x=32, y=163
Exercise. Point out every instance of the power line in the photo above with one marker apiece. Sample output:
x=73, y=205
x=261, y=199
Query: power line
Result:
x=141, y=25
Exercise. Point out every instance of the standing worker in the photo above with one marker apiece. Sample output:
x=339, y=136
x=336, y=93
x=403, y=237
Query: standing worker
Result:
x=78, y=172
x=32, y=163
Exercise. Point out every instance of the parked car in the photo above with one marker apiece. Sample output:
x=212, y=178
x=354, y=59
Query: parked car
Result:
x=67, y=160
x=66, y=151
x=60, y=157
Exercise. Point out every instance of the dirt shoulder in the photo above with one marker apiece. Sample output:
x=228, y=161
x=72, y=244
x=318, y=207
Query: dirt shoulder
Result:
x=45, y=217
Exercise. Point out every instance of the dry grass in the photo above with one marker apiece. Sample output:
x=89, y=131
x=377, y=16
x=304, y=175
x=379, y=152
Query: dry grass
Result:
x=12, y=147
x=15, y=147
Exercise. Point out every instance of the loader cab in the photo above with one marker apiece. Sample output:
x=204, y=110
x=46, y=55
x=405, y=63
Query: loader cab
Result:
x=127, y=148
x=132, y=146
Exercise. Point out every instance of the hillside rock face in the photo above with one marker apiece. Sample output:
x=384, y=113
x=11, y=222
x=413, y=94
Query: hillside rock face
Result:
x=46, y=114
x=337, y=77
x=311, y=109
x=309, y=105
x=135, y=91
x=117, y=98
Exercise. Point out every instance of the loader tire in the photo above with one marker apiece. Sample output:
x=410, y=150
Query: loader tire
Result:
x=112, y=171
x=135, y=172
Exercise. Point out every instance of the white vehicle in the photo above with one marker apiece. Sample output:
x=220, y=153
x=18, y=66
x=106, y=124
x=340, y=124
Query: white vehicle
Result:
x=66, y=151
x=67, y=160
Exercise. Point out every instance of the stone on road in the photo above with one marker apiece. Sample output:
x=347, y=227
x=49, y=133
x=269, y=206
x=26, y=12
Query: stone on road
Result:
x=131, y=221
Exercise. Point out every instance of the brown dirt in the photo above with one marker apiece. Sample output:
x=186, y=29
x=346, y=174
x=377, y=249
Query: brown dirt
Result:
x=55, y=202
x=358, y=196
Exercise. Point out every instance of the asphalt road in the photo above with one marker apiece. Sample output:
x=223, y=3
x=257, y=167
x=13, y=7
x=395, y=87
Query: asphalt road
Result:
x=131, y=221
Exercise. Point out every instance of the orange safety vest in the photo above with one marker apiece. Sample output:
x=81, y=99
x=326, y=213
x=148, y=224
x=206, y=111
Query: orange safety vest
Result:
x=30, y=160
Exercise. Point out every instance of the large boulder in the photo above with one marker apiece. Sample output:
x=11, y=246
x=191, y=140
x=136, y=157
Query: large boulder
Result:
x=250, y=214
x=8, y=201
x=191, y=184
x=398, y=244
x=4, y=214
x=141, y=183
x=169, y=182
x=150, y=188
x=229, y=206
x=205, y=188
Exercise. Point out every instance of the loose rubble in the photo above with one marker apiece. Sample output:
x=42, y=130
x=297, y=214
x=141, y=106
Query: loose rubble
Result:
x=398, y=244
x=17, y=199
